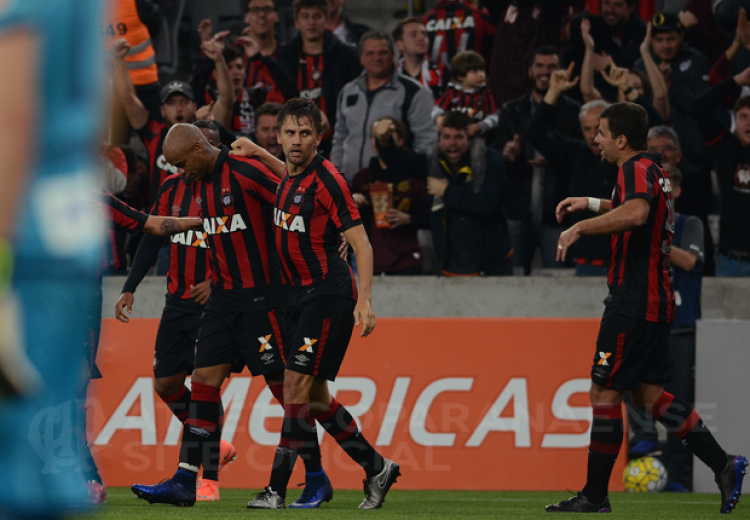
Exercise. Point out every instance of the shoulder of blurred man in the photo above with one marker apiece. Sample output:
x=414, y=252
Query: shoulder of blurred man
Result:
x=690, y=61
x=634, y=30
x=356, y=29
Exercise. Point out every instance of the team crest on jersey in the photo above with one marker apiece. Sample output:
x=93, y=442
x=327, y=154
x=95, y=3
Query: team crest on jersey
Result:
x=191, y=239
x=175, y=211
x=198, y=200
x=298, y=198
x=288, y=221
x=448, y=24
x=226, y=200
x=742, y=178
x=227, y=224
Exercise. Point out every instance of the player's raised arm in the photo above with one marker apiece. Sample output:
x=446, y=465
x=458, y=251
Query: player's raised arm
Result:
x=134, y=109
x=244, y=147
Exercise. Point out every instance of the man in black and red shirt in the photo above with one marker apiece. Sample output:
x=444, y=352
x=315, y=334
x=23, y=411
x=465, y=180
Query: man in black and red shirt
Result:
x=234, y=197
x=453, y=26
x=313, y=206
x=632, y=350
x=188, y=289
x=318, y=61
x=177, y=106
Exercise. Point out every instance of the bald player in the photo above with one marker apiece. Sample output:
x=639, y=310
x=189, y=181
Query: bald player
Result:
x=242, y=317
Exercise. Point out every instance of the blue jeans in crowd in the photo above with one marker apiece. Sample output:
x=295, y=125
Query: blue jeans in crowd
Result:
x=526, y=238
x=727, y=266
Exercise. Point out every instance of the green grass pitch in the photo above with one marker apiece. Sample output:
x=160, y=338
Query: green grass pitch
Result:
x=122, y=504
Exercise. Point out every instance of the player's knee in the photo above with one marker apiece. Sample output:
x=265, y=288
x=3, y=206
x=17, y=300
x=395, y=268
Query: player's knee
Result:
x=274, y=378
x=601, y=396
x=296, y=387
x=166, y=387
x=212, y=376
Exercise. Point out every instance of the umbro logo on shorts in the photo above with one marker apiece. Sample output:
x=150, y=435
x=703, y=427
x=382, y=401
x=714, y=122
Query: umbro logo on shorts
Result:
x=301, y=360
x=603, y=358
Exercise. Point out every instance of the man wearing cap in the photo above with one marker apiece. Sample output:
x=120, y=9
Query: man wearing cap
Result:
x=685, y=71
x=177, y=106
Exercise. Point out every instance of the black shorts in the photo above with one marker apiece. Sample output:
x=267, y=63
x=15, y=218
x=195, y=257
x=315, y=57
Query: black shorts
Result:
x=175, y=342
x=319, y=331
x=630, y=351
x=252, y=336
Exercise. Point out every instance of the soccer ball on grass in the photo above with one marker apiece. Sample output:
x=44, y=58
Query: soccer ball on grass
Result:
x=645, y=474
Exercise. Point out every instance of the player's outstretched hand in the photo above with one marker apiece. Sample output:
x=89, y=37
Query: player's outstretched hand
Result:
x=244, y=147
x=363, y=311
x=571, y=205
x=201, y=292
x=125, y=302
x=567, y=238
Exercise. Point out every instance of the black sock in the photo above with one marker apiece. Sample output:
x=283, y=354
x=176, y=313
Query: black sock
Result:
x=683, y=422
x=179, y=403
x=310, y=450
x=294, y=432
x=199, y=433
x=606, y=439
x=213, y=449
x=341, y=425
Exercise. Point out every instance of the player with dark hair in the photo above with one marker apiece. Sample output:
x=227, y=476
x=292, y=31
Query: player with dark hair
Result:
x=313, y=205
x=242, y=317
x=632, y=350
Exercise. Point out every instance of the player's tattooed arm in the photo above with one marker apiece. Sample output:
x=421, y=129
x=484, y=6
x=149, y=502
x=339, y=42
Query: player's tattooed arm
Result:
x=169, y=227
x=163, y=226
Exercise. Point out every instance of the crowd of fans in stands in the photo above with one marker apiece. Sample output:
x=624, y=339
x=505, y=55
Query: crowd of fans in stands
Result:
x=472, y=121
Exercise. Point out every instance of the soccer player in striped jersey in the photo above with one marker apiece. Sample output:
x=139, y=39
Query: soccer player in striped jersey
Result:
x=188, y=289
x=632, y=350
x=243, y=318
x=313, y=205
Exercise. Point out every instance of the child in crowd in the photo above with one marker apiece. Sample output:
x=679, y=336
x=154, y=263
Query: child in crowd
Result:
x=468, y=93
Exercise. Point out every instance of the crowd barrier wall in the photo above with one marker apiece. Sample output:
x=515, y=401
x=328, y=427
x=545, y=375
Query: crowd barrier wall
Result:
x=460, y=403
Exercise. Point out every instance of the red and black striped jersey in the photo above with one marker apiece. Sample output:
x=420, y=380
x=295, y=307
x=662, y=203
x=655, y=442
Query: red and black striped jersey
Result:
x=453, y=27
x=433, y=75
x=312, y=208
x=236, y=204
x=121, y=214
x=639, y=278
x=310, y=78
x=189, y=262
x=259, y=76
x=153, y=134
x=243, y=110
x=477, y=103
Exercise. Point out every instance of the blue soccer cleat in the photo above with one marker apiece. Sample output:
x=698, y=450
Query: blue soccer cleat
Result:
x=644, y=449
x=165, y=492
x=317, y=490
x=730, y=482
